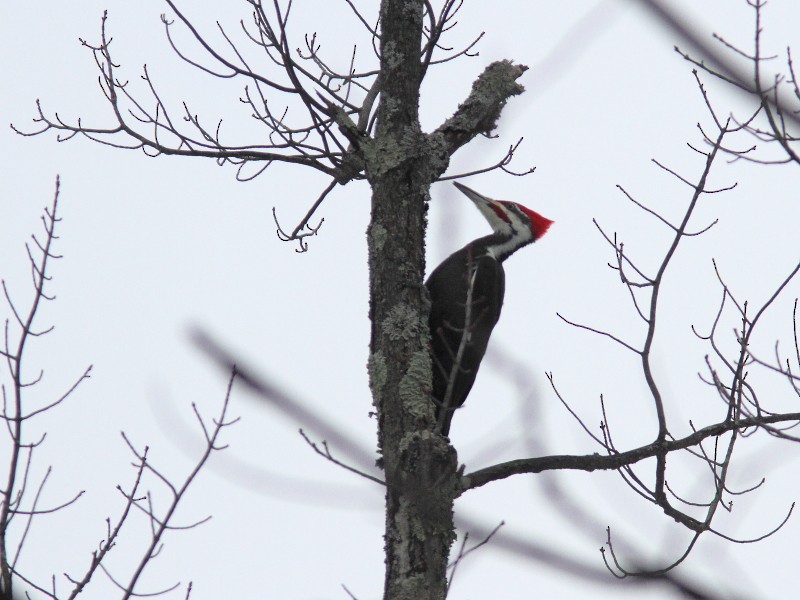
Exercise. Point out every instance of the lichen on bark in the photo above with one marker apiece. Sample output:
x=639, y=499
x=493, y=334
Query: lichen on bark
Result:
x=415, y=387
x=376, y=368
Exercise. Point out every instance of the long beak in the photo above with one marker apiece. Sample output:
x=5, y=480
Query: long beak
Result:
x=488, y=206
x=472, y=194
x=491, y=209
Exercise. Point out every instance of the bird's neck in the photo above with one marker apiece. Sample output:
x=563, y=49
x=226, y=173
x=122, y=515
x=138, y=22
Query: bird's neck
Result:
x=498, y=245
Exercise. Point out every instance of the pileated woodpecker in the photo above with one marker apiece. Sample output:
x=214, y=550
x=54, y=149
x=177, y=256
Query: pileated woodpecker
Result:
x=466, y=293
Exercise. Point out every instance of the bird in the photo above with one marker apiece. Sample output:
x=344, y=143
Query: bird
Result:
x=466, y=293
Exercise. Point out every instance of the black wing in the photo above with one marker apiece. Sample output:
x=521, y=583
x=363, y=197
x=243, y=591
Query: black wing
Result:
x=449, y=286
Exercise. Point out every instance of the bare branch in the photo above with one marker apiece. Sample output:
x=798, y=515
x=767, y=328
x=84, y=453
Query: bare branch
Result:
x=106, y=545
x=599, y=332
x=594, y=462
x=287, y=404
x=161, y=525
x=464, y=552
x=326, y=454
x=480, y=111
x=303, y=229
x=287, y=144
x=13, y=489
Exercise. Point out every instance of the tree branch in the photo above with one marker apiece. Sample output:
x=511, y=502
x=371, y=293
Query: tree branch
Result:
x=596, y=462
x=478, y=114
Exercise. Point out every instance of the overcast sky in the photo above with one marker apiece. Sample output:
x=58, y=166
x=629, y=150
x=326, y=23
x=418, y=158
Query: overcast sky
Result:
x=155, y=247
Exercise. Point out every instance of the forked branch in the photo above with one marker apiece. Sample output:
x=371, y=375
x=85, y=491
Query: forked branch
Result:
x=743, y=411
x=18, y=405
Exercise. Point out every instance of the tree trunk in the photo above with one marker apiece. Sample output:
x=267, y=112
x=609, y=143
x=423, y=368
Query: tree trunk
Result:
x=420, y=466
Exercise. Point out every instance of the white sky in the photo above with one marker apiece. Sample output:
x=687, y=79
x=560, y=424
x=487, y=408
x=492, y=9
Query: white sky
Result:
x=154, y=247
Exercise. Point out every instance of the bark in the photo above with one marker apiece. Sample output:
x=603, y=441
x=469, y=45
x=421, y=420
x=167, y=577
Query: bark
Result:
x=401, y=162
x=419, y=465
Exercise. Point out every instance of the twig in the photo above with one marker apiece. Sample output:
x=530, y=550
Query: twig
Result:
x=462, y=553
x=326, y=454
